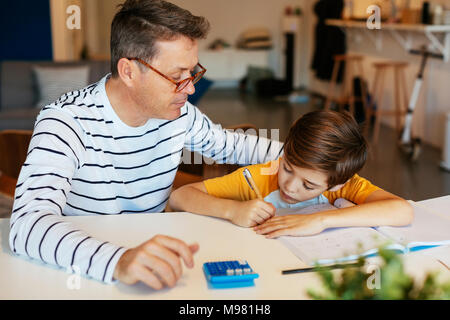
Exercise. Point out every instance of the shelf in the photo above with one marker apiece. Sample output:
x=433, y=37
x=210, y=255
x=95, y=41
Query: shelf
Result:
x=232, y=64
x=402, y=33
x=390, y=26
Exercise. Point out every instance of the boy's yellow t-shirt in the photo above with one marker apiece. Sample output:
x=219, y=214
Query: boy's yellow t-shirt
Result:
x=235, y=187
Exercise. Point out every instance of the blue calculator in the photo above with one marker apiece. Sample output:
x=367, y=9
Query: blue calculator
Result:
x=229, y=274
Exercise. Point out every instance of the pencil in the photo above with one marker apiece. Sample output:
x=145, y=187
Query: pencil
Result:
x=251, y=183
x=319, y=268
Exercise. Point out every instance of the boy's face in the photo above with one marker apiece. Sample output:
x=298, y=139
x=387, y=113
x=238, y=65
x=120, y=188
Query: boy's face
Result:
x=300, y=184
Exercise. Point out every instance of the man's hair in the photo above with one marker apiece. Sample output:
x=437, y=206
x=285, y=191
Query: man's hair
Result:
x=328, y=141
x=140, y=23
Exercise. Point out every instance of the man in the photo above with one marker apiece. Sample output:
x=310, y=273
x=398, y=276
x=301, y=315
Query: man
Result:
x=114, y=148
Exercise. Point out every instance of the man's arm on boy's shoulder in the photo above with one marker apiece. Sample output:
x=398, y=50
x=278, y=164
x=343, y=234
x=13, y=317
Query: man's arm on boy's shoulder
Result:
x=226, y=146
x=356, y=190
x=380, y=208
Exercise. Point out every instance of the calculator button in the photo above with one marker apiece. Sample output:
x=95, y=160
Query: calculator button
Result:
x=230, y=272
x=247, y=270
x=238, y=271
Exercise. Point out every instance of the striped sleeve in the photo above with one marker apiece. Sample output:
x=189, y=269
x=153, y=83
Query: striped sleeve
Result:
x=38, y=229
x=226, y=146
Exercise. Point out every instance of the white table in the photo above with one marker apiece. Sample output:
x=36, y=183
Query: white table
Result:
x=218, y=239
x=441, y=204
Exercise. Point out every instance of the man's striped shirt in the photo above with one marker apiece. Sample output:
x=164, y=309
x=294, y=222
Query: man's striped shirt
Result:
x=83, y=160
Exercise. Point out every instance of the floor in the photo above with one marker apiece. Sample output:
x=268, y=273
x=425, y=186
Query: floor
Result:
x=386, y=167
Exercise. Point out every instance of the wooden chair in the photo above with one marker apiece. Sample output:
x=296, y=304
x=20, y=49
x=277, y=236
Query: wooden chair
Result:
x=13, y=151
x=183, y=178
x=7, y=185
x=400, y=93
x=353, y=67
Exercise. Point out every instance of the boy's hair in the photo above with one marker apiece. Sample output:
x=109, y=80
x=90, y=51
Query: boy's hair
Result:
x=140, y=23
x=328, y=141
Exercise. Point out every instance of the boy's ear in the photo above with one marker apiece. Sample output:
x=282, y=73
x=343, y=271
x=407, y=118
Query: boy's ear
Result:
x=338, y=186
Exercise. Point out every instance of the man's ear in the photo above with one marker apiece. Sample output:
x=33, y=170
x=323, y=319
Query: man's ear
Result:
x=127, y=70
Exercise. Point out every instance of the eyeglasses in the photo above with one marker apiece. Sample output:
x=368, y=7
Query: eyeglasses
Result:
x=180, y=85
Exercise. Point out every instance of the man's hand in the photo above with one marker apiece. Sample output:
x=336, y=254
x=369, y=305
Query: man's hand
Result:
x=251, y=213
x=155, y=262
x=292, y=225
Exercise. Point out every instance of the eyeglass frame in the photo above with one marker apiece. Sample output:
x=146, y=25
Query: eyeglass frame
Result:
x=176, y=83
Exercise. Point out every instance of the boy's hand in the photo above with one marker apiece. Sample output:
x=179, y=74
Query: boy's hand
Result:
x=251, y=213
x=155, y=262
x=292, y=225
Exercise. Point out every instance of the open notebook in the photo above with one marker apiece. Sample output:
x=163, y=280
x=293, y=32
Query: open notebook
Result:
x=429, y=229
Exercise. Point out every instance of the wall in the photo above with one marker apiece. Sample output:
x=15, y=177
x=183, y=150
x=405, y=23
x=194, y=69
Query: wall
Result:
x=360, y=6
x=96, y=18
x=25, y=31
x=67, y=43
x=433, y=103
x=228, y=19
x=106, y=9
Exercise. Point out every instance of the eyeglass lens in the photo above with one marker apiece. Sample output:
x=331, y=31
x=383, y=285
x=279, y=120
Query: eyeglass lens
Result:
x=185, y=82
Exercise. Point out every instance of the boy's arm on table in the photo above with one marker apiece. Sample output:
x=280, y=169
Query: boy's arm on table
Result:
x=227, y=146
x=195, y=198
x=379, y=208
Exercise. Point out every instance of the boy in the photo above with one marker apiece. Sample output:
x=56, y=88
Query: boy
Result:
x=322, y=154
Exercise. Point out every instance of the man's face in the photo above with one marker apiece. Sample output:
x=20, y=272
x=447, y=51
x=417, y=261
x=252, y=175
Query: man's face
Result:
x=300, y=184
x=155, y=94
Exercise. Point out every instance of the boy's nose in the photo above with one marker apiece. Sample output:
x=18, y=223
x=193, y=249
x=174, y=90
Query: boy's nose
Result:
x=290, y=187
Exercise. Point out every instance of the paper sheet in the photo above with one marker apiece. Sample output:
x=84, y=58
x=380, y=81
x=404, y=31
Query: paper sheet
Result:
x=338, y=245
x=335, y=245
x=339, y=203
x=306, y=210
x=441, y=254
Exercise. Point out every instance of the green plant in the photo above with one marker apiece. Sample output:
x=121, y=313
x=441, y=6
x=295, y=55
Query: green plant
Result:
x=394, y=284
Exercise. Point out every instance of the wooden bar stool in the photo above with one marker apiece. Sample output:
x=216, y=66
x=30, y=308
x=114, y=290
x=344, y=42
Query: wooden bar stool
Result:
x=400, y=93
x=353, y=66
